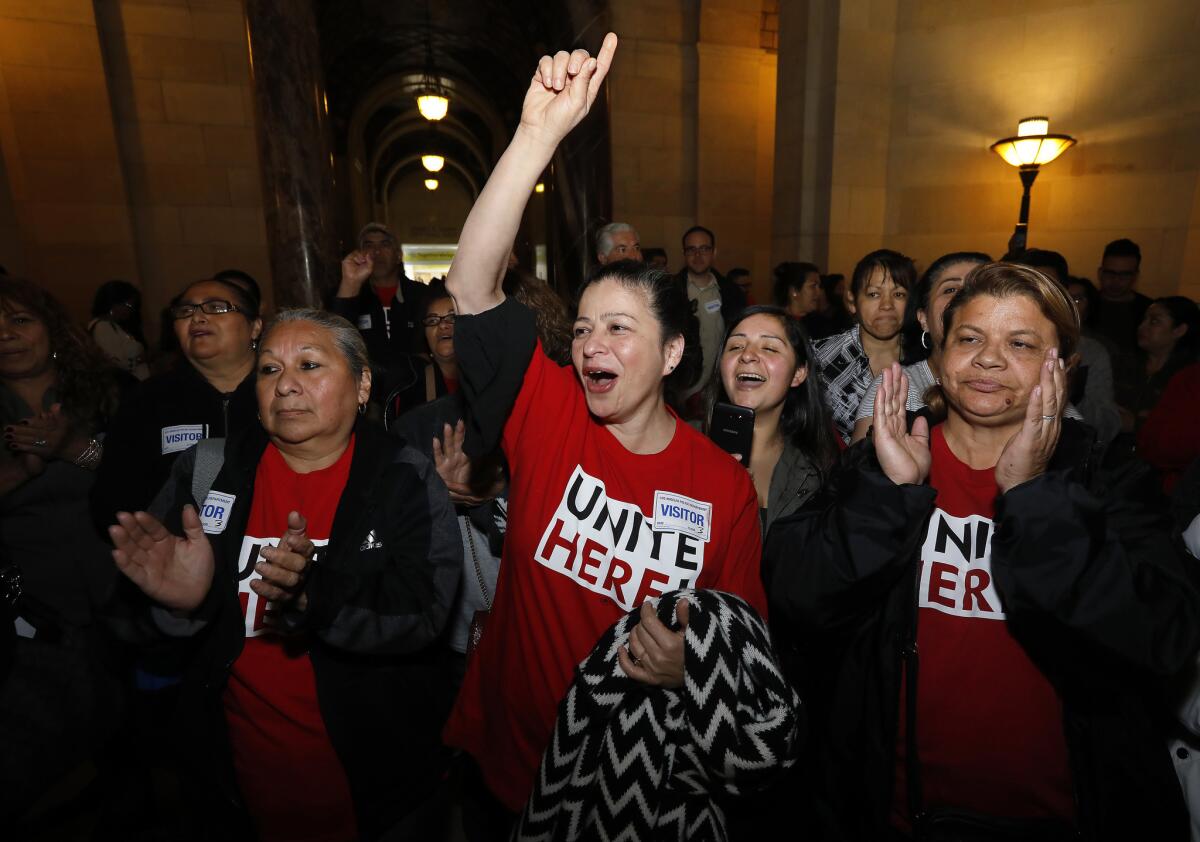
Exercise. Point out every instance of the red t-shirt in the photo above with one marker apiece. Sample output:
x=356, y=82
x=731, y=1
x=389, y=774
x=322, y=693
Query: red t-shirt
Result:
x=293, y=783
x=989, y=724
x=386, y=296
x=582, y=550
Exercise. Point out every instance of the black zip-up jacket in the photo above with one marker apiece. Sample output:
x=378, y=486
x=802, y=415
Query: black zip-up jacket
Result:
x=379, y=595
x=160, y=420
x=1093, y=589
x=733, y=300
x=366, y=313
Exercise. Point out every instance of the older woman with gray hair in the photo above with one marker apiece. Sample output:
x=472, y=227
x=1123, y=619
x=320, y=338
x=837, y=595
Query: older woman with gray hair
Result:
x=310, y=563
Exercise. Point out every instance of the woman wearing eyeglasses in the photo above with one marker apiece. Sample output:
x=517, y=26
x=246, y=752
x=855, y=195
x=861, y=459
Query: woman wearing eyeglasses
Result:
x=209, y=393
x=416, y=380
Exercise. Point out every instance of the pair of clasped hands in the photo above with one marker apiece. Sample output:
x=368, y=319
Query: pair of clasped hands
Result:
x=177, y=573
x=904, y=454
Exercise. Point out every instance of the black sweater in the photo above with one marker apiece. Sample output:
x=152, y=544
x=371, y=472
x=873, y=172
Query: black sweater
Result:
x=379, y=596
x=1093, y=589
x=160, y=419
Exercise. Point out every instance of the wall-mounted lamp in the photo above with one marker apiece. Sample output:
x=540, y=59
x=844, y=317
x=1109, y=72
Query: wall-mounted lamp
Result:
x=1032, y=147
x=431, y=184
x=433, y=163
x=539, y=188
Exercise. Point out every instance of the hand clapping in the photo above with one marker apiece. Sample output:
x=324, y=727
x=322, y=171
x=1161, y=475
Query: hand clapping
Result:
x=284, y=567
x=1028, y=452
x=903, y=455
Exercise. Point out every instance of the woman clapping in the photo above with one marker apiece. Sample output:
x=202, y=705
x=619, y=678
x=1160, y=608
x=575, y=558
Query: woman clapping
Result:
x=1039, y=603
x=320, y=564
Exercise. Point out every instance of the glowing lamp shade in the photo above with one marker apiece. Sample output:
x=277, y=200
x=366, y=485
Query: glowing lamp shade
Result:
x=433, y=106
x=1033, y=145
x=433, y=163
x=431, y=184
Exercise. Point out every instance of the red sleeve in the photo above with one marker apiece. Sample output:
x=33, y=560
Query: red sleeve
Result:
x=741, y=570
x=1168, y=438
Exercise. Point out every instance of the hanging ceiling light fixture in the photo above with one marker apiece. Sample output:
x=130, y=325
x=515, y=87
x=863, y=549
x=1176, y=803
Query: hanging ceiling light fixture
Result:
x=433, y=100
x=431, y=184
x=433, y=163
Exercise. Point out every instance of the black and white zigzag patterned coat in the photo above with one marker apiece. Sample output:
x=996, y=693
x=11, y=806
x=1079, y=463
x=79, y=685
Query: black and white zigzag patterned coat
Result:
x=631, y=762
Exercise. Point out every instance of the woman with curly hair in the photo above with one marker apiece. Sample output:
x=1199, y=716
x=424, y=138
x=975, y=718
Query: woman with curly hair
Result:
x=58, y=697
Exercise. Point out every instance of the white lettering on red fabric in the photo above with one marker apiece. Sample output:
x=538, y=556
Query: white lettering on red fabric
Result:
x=253, y=607
x=610, y=547
x=956, y=577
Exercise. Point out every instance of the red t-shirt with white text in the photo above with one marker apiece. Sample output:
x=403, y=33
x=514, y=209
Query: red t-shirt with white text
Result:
x=989, y=723
x=593, y=530
x=288, y=773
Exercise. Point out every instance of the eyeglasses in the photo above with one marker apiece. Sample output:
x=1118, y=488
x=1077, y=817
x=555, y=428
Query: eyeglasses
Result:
x=1112, y=273
x=215, y=307
x=690, y=250
x=433, y=320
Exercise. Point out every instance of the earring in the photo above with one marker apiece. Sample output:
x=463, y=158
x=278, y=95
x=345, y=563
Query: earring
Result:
x=925, y=340
x=362, y=409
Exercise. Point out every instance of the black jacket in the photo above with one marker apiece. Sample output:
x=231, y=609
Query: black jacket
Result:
x=377, y=598
x=733, y=300
x=1093, y=589
x=158, y=421
x=366, y=313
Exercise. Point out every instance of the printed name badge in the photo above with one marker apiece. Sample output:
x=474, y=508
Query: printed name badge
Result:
x=364, y=321
x=676, y=513
x=215, y=512
x=713, y=306
x=180, y=437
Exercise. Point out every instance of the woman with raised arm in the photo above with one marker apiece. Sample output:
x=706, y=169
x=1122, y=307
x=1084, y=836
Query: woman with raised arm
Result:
x=613, y=498
x=1042, y=603
x=316, y=696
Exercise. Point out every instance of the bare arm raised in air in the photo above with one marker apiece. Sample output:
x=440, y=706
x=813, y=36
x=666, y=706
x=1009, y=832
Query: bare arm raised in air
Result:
x=560, y=95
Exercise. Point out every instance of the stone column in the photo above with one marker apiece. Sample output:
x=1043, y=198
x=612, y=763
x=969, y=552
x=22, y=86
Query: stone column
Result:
x=294, y=147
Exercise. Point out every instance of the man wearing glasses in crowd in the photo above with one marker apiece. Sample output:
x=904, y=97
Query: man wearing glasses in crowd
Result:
x=1121, y=306
x=714, y=300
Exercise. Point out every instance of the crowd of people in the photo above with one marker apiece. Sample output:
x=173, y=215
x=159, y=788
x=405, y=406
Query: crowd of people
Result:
x=461, y=561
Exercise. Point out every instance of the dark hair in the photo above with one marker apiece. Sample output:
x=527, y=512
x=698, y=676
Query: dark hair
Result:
x=915, y=349
x=899, y=268
x=712, y=238
x=112, y=293
x=1090, y=293
x=1183, y=311
x=549, y=315
x=737, y=272
x=790, y=275
x=84, y=376
x=649, y=254
x=1008, y=280
x=805, y=420
x=242, y=297
x=1123, y=248
x=829, y=284
x=1043, y=259
x=245, y=281
x=668, y=303
x=435, y=290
